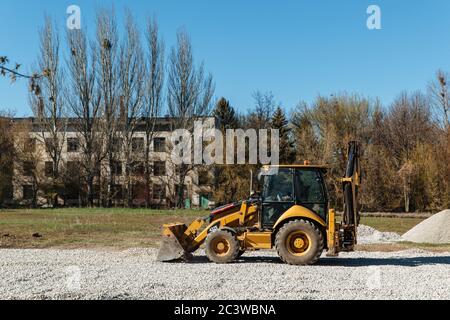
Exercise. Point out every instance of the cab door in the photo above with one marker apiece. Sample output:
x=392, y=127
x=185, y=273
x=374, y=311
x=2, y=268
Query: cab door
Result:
x=278, y=195
x=310, y=191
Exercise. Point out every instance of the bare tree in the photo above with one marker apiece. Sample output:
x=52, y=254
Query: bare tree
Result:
x=408, y=125
x=259, y=117
x=48, y=104
x=440, y=97
x=189, y=95
x=107, y=64
x=132, y=88
x=28, y=171
x=84, y=102
x=13, y=72
x=7, y=155
x=153, y=95
x=323, y=130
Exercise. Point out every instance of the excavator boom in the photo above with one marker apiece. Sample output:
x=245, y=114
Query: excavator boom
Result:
x=343, y=236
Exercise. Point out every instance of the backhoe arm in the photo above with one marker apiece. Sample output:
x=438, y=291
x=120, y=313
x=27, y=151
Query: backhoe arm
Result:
x=350, y=184
x=343, y=236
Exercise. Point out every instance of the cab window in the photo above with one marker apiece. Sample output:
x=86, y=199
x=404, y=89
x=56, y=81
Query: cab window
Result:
x=309, y=190
x=278, y=187
x=310, y=187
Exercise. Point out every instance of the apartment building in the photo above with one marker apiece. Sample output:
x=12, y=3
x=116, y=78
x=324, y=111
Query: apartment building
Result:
x=32, y=175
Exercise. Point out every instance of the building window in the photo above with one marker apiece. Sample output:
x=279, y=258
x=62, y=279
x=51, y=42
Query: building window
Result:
x=73, y=168
x=50, y=144
x=28, y=168
x=137, y=144
x=72, y=144
x=159, y=144
x=138, y=191
x=159, y=192
x=30, y=145
x=117, y=168
x=7, y=192
x=28, y=193
x=163, y=127
x=48, y=169
x=137, y=168
x=159, y=168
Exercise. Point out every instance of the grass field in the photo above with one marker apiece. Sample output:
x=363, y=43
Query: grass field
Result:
x=398, y=225
x=125, y=228
x=119, y=228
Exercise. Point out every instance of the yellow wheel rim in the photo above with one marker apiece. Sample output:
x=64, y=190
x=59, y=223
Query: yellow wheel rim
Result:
x=221, y=247
x=298, y=243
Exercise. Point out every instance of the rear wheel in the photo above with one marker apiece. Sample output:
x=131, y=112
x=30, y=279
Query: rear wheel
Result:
x=299, y=242
x=221, y=246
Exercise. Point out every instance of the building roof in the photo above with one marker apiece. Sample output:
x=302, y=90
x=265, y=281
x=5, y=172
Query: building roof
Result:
x=165, y=123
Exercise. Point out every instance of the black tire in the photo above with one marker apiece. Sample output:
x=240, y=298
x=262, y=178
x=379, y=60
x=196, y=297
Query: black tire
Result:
x=299, y=242
x=221, y=246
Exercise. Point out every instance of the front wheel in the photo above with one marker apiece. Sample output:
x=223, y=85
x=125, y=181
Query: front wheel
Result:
x=221, y=246
x=299, y=242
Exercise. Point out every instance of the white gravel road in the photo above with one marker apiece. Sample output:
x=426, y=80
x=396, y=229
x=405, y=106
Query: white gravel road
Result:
x=134, y=274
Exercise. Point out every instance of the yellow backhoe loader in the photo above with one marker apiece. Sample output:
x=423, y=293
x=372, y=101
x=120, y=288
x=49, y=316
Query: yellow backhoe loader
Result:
x=291, y=214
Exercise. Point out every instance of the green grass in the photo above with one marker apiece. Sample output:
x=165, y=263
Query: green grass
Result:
x=400, y=226
x=116, y=227
x=388, y=224
x=125, y=228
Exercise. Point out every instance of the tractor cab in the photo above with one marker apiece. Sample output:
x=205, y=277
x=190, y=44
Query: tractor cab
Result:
x=285, y=186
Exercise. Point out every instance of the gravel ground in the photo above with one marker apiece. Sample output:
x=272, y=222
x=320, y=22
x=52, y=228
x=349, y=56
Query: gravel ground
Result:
x=134, y=274
x=368, y=235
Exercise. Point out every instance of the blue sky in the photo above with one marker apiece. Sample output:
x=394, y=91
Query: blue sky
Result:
x=296, y=49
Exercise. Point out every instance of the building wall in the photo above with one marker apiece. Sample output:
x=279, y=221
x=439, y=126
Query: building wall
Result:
x=194, y=191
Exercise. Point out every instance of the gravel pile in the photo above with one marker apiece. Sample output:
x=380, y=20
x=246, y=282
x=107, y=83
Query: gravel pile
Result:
x=368, y=235
x=435, y=229
x=134, y=274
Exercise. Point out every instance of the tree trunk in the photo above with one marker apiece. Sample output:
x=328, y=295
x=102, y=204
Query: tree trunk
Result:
x=147, y=170
x=90, y=186
x=406, y=196
x=110, y=180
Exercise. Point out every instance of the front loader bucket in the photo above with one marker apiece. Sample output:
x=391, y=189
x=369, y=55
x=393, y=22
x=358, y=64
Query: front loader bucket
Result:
x=173, y=246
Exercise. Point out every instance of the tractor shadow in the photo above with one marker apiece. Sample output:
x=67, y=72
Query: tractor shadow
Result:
x=251, y=259
x=392, y=261
x=343, y=261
